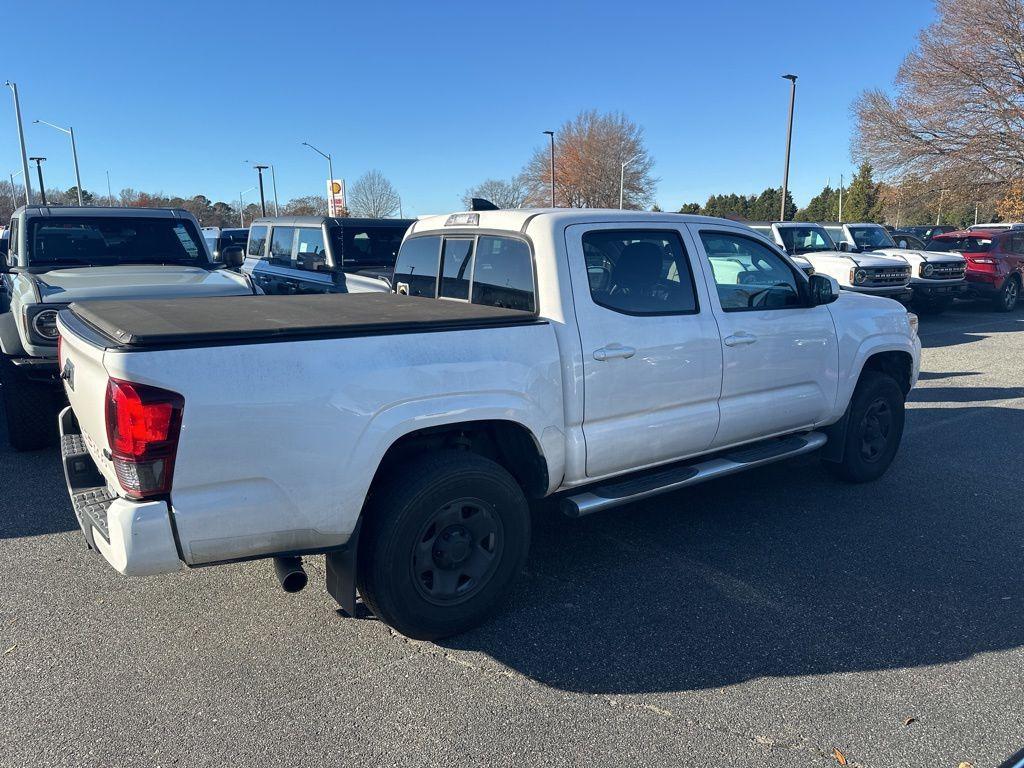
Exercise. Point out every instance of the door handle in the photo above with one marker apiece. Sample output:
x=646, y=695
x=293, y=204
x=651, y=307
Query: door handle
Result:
x=738, y=339
x=612, y=352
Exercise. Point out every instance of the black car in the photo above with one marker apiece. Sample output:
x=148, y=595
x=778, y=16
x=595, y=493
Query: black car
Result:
x=926, y=233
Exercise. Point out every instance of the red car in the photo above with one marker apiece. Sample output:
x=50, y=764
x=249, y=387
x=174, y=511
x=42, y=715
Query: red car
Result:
x=995, y=262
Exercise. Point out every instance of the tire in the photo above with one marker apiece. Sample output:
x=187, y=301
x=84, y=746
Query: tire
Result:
x=29, y=408
x=1008, y=296
x=443, y=540
x=874, y=429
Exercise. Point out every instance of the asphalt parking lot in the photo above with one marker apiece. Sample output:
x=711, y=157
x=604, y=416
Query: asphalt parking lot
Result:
x=767, y=620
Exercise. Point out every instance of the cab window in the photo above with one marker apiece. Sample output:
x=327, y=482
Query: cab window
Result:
x=310, y=253
x=281, y=246
x=503, y=274
x=749, y=275
x=456, y=268
x=416, y=268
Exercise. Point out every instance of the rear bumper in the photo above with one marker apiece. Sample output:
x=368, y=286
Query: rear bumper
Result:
x=38, y=369
x=135, y=537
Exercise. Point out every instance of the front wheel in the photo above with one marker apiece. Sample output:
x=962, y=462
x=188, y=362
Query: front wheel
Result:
x=874, y=429
x=1009, y=294
x=443, y=541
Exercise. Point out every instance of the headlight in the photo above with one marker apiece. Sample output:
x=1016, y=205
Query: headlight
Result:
x=41, y=320
x=927, y=269
x=912, y=319
x=860, y=276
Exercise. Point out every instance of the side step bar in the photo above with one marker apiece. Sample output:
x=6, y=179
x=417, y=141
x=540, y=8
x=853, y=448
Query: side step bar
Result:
x=618, y=492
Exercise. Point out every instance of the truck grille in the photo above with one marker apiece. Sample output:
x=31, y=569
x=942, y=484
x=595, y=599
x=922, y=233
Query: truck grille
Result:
x=880, y=276
x=949, y=271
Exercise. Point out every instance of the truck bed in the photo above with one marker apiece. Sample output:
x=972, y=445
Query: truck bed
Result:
x=173, y=323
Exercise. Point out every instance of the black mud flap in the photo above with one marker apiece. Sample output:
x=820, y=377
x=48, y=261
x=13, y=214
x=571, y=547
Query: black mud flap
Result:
x=341, y=573
x=835, y=449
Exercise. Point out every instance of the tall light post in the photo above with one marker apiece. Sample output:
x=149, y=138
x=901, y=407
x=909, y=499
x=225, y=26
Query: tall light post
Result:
x=840, y=198
x=551, y=135
x=273, y=182
x=21, y=138
x=622, y=176
x=39, y=169
x=330, y=171
x=110, y=196
x=789, y=141
x=241, y=206
x=938, y=215
x=74, y=153
x=14, y=197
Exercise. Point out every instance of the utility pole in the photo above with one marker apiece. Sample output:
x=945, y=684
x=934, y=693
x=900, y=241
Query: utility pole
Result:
x=263, y=201
x=39, y=169
x=74, y=153
x=21, y=138
x=273, y=178
x=789, y=141
x=551, y=134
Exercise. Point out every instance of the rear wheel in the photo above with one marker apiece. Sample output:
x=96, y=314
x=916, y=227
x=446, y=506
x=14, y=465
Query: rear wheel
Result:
x=442, y=543
x=29, y=408
x=1008, y=296
x=874, y=429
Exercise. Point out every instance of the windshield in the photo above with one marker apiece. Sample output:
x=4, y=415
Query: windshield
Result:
x=799, y=240
x=107, y=240
x=961, y=244
x=872, y=236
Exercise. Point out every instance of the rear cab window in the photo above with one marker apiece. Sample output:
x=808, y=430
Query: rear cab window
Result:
x=490, y=270
x=366, y=247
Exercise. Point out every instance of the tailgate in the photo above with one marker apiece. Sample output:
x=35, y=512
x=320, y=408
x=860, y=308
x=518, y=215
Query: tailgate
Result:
x=85, y=383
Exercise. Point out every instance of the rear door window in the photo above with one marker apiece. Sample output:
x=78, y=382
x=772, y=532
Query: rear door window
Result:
x=503, y=274
x=416, y=268
x=457, y=268
x=257, y=241
x=281, y=246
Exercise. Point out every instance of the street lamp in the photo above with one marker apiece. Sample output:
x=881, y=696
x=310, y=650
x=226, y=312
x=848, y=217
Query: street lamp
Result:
x=241, y=206
x=622, y=176
x=39, y=169
x=551, y=134
x=21, y=138
x=330, y=172
x=14, y=197
x=789, y=141
x=273, y=180
x=74, y=153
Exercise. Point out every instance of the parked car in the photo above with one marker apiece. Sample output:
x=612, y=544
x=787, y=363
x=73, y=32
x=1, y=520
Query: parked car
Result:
x=62, y=254
x=320, y=254
x=217, y=239
x=994, y=226
x=937, y=278
x=906, y=240
x=995, y=263
x=401, y=435
x=925, y=232
x=862, y=272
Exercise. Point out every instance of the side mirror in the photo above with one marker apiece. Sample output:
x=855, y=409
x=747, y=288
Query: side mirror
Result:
x=232, y=256
x=824, y=289
x=844, y=246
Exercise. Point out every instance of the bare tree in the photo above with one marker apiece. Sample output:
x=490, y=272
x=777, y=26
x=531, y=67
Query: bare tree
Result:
x=589, y=152
x=504, y=194
x=373, y=196
x=958, y=112
x=310, y=205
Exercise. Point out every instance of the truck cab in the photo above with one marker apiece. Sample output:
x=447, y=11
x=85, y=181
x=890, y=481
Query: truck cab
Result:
x=290, y=255
x=57, y=255
x=868, y=273
x=937, y=278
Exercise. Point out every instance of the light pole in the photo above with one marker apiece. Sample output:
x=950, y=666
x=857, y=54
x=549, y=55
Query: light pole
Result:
x=551, y=135
x=330, y=172
x=840, y=198
x=39, y=169
x=938, y=215
x=110, y=196
x=74, y=153
x=975, y=205
x=273, y=182
x=789, y=141
x=14, y=197
x=241, y=206
x=622, y=176
x=21, y=138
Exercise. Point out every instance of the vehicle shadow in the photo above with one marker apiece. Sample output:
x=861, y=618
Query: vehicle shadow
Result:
x=964, y=323
x=782, y=571
x=33, y=499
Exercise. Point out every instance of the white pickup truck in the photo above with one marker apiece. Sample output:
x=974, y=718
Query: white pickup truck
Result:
x=596, y=356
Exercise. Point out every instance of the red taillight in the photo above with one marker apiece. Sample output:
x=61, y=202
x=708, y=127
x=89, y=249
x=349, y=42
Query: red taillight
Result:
x=143, y=424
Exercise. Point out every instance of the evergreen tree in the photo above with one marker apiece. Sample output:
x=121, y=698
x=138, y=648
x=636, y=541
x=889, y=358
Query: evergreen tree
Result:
x=690, y=208
x=863, y=200
x=824, y=206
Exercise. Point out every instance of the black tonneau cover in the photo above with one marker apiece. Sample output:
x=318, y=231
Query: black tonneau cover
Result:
x=218, y=321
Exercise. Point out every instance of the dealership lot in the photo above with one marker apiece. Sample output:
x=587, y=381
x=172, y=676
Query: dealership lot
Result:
x=709, y=627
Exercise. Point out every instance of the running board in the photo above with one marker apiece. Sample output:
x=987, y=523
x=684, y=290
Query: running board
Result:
x=618, y=492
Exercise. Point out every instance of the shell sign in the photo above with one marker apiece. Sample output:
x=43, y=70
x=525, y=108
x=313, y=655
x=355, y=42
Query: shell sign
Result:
x=335, y=197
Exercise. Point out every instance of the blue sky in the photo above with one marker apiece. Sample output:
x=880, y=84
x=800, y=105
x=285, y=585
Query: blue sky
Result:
x=174, y=96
